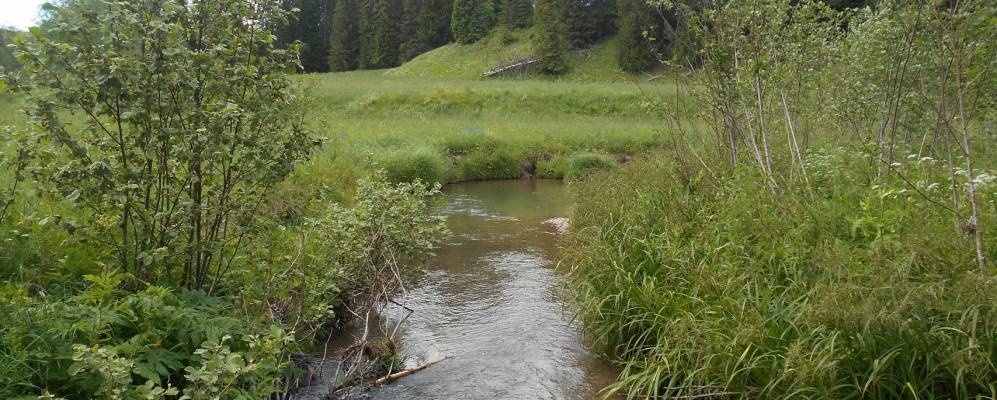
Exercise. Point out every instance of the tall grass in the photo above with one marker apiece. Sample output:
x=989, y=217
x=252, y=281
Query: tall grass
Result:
x=721, y=288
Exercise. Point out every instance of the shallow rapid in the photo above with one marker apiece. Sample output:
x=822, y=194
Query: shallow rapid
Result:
x=490, y=302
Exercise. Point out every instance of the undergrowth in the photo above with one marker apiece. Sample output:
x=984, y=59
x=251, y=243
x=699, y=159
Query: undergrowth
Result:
x=717, y=286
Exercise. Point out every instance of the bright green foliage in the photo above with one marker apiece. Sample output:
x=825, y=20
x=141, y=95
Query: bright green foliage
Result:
x=516, y=13
x=635, y=53
x=582, y=164
x=408, y=165
x=702, y=284
x=139, y=345
x=807, y=250
x=574, y=167
x=386, y=225
x=343, y=50
x=17, y=164
x=469, y=20
x=550, y=41
x=183, y=131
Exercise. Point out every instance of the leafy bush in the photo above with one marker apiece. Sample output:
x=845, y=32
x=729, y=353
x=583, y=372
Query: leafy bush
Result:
x=701, y=284
x=501, y=163
x=410, y=164
x=169, y=163
x=111, y=344
x=555, y=167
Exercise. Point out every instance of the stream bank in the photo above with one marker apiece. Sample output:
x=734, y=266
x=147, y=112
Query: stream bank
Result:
x=489, y=303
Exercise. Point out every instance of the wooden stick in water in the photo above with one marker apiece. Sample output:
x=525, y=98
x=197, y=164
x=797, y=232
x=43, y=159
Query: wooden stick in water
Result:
x=406, y=372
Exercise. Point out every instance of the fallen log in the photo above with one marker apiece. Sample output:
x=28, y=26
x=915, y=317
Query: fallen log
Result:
x=519, y=66
x=406, y=372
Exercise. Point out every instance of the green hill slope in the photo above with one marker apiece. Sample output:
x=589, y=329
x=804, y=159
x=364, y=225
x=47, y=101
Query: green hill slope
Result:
x=457, y=61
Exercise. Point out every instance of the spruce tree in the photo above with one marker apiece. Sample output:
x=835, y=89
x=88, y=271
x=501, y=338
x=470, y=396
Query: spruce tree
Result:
x=343, y=41
x=517, y=13
x=378, y=34
x=577, y=22
x=469, y=20
x=550, y=41
x=589, y=21
x=311, y=26
x=433, y=22
x=411, y=43
x=635, y=52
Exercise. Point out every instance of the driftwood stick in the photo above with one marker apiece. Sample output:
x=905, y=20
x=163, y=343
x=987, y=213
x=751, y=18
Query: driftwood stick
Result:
x=406, y=372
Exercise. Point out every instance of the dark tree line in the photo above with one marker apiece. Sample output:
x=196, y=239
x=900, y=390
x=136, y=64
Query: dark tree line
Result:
x=342, y=35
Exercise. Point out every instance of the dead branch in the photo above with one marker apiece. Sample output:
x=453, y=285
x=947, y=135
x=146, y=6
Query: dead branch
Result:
x=406, y=372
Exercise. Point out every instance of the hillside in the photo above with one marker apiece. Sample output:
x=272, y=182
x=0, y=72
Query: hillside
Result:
x=457, y=61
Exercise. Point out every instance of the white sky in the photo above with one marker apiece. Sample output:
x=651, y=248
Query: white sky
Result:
x=19, y=14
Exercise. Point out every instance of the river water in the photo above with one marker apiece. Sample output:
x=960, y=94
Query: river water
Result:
x=489, y=301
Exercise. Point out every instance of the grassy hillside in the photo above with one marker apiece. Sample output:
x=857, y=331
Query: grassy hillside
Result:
x=457, y=61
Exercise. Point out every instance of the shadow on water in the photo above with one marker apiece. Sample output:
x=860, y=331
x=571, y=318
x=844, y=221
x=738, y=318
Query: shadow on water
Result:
x=490, y=302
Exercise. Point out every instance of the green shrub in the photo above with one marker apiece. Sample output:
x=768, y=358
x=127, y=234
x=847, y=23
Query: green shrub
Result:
x=700, y=284
x=581, y=164
x=555, y=167
x=408, y=165
x=499, y=163
x=108, y=343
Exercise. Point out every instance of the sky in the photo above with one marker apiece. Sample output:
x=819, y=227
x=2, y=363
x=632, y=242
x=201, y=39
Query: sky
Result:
x=19, y=14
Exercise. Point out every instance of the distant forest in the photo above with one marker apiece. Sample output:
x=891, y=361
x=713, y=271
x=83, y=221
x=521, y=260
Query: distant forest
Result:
x=7, y=60
x=343, y=35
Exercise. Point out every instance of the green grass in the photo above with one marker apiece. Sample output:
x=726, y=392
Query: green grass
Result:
x=440, y=129
x=846, y=288
x=450, y=130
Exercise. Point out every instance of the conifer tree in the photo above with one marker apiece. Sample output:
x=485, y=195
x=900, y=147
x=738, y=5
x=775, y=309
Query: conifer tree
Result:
x=635, y=53
x=433, y=22
x=378, y=34
x=516, y=13
x=550, y=40
x=343, y=42
x=312, y=27
x=589, y=21
x=469, y=20
x=411, y=43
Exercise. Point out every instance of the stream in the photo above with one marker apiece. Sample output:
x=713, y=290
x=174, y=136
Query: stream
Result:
x=489, y=301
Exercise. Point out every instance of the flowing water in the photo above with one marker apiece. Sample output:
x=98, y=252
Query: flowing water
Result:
x=490, y=302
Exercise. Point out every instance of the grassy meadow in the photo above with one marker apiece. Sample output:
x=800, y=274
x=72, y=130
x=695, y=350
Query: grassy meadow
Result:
x=450, y=130
x=419, y=121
